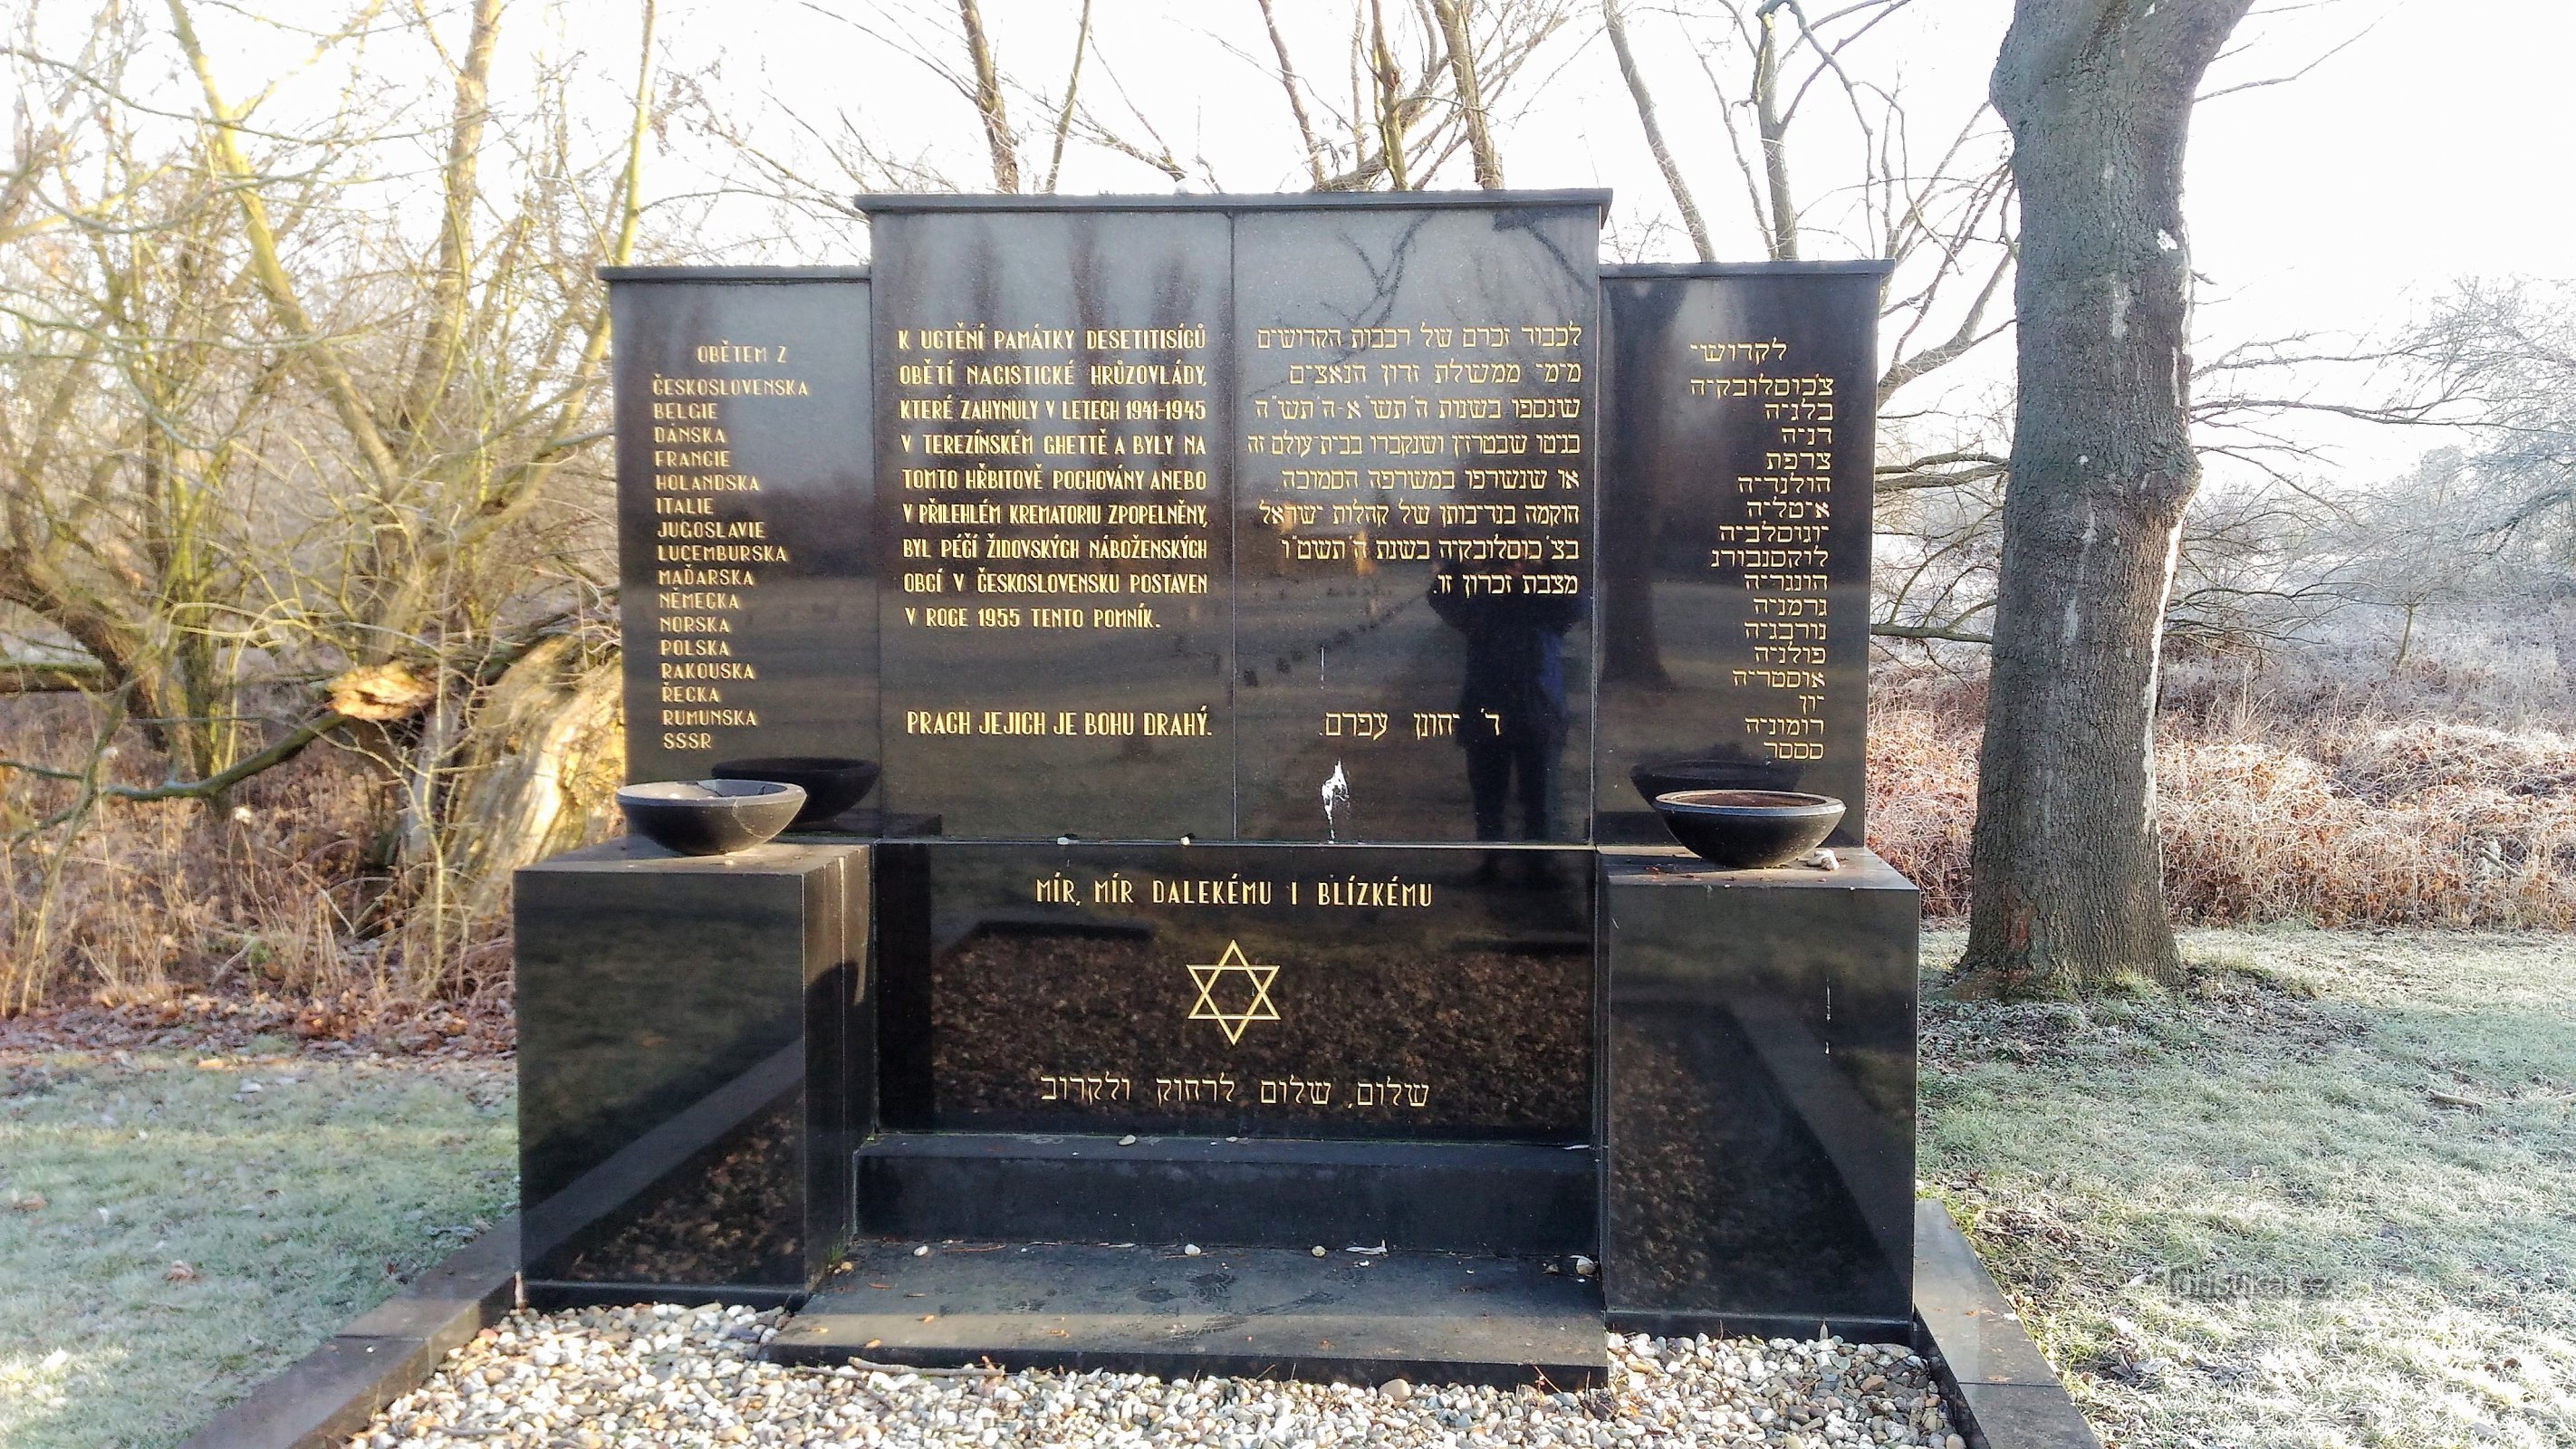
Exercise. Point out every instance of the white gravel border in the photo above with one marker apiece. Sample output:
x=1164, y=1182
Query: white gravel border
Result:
x=662, y=1375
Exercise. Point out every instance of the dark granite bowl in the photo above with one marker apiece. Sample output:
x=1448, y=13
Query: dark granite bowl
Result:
x=1748, y=829
x=1663, y=777
x=709, y=817
x=832, y=783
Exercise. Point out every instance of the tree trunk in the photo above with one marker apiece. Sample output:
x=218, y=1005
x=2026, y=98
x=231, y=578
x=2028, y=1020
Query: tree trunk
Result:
x=2098, y=94
x=1296, y=102
x=539, y=774
x=998, y=138
x=1471, y=99
x=1774, y=129
x=1616, y=27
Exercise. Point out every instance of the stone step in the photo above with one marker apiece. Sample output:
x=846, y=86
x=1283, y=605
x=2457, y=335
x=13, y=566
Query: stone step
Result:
x=1504, y=1199
x=1259, y=1312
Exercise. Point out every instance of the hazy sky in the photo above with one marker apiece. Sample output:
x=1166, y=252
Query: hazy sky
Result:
x=2431, y=146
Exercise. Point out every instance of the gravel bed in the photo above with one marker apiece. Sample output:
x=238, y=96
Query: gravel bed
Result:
x=659, y=1375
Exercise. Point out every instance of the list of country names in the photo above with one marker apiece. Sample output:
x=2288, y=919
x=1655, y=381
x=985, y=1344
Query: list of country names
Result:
x=1771, y=536
x=712, y=543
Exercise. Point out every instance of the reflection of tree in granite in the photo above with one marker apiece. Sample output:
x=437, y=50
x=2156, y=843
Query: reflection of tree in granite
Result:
x=1721, y=1202
x=1884, y=1077
x=1405, y=660
x=728, y=1216
x=1498, y=1038
x=638, y=1028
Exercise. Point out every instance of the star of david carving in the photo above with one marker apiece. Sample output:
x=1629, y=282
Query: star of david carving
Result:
x=1239, y=981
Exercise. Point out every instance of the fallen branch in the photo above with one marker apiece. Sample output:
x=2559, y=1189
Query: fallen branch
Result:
x=1928, y=631
x=50, y=678
x=287, y=747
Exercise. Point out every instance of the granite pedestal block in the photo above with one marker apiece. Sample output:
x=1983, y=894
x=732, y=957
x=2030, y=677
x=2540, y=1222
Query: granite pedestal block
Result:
x=1760, y=1102
x=694, y=1060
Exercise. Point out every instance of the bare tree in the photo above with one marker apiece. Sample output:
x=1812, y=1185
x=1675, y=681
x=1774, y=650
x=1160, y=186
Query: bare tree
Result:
x=1945, y=216
x=267, y=439
x=2499, y=359
x=1471, y=101
x=2067, y=889
x=1615, y=25
x=1425, y=85
x=989, y=107
x=1296, y=93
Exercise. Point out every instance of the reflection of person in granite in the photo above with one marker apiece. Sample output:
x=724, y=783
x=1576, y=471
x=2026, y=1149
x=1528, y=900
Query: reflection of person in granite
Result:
x=1512, y=716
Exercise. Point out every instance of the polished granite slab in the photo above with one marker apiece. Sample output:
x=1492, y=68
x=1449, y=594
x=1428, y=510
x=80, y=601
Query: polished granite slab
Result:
x=687, y=1090
x=1238, y=521
x=1428, y=993
x=745, y=516
x=1151, y=1308
x=1053, y=425
x=1760, y=1099
x=1739, y=448
x=1413, y=516
x=1506, y=1199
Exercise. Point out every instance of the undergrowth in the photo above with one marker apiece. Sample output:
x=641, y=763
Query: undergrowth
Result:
x=2331, y=791
x=2432, y=796
x=178, y=920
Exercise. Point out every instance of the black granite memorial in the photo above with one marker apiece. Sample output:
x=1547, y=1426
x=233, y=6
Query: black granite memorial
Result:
x=744, y=535
x=1271, y=655
x=1735, y=532
x=693, y=1034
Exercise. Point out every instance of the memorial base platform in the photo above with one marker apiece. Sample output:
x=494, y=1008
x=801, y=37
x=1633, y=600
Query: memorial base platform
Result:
x=1261, y=1312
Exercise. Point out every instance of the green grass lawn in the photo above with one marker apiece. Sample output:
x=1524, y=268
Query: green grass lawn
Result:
x=2326, y=1197
x=295, y=1207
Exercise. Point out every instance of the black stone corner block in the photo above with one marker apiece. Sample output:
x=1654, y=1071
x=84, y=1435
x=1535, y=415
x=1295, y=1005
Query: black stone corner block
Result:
x=694, y=1065
x=1760, y=1092
x=2010, y=1397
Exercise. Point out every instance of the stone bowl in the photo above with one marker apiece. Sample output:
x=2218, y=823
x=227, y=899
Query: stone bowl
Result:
x=1748, y=829
x=832, y=783
x=1663, y=777
x=709, y=817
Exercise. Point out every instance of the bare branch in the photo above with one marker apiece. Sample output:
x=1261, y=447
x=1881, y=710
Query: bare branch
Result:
x=1296, y=102
x=998, y=137
x=1072, y=84
x=1462, y=71
x=1617, y=28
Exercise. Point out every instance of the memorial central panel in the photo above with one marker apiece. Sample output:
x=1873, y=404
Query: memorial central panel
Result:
x=1238, y=521
x=1264, y=990
x=1413, y=512
x=1050, y=427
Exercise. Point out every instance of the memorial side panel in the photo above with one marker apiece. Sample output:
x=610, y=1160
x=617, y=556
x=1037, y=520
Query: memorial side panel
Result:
x=1272, y=990
x=1413, y=521
x=1736, y=539
x=745, y=504
x=1052, y=403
